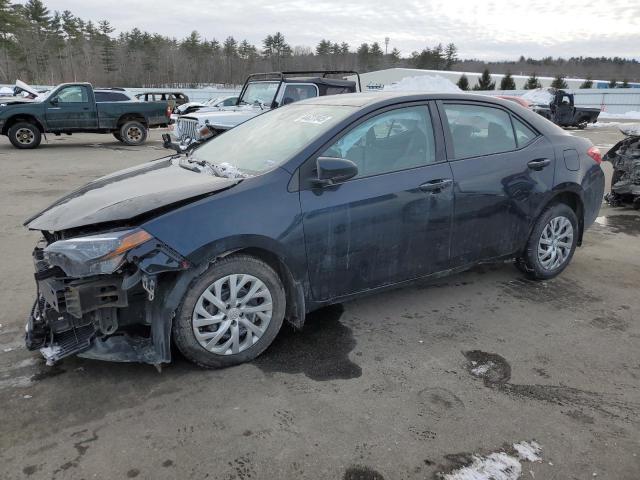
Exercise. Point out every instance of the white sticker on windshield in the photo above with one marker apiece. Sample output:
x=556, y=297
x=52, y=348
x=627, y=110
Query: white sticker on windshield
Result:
x=313, y=118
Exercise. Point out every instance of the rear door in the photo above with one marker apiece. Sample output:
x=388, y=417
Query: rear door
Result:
x=392, y=221
x=503, y=170
x=71, y=108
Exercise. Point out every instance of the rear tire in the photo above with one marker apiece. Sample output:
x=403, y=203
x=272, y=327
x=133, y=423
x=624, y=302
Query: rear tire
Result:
x=552, y=243
x=117, y=136
x=24, y=135
x=216, y=328
x=133, y=133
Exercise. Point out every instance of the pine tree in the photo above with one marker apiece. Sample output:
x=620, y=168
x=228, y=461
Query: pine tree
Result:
x=108, y=48
x=588, y=83
x=450, y=55
x=532, y=83
x=507, y=82
x=463, y=83
x=613, y=83
x=484, y=82
x=559, y=83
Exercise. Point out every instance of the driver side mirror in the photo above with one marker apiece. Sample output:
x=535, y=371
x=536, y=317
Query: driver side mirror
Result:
x=54, y=101
x=332, y=170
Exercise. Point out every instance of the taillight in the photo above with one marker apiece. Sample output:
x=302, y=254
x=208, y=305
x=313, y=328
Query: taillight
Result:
x=594, y=152
x=168, y=112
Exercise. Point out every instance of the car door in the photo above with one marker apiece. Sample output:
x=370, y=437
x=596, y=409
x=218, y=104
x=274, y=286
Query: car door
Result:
x=71, y=108
x=389, y=223
x=502, y=170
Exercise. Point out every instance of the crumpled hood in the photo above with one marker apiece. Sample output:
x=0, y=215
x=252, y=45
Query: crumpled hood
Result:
x=127, y=194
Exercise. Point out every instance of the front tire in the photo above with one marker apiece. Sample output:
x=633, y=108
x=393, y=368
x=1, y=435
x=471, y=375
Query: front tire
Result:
x=25, y=135
x=552, y=243
x=231, y=313
x=133, y=133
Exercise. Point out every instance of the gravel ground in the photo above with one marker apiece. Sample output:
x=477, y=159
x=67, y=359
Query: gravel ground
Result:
x=407, y=384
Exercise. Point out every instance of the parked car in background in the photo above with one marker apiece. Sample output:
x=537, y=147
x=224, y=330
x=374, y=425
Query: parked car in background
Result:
x=72, y=108
x=314, y=203
x=172, y=98
x=519, y=100
x=215, y=103
x=262, y=92
x=113, y=94
x=559, y=107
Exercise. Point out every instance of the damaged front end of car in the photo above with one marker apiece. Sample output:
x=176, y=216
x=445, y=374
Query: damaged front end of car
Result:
x=108, y=296
x=625, y=158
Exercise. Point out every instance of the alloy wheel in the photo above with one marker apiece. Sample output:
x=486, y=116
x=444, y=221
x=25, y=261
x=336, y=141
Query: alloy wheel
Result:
x=556, y=241
x=232, y=314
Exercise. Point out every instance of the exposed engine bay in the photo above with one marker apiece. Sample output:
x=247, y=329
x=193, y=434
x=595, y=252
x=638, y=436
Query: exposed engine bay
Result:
x=101, y=307
x=625, y=157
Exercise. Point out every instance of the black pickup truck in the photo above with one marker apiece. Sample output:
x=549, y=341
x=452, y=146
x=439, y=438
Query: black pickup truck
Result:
x=563, y=112
x=72, y=108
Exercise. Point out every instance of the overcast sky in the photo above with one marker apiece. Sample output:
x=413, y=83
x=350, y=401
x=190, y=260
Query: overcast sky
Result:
x=492, y=29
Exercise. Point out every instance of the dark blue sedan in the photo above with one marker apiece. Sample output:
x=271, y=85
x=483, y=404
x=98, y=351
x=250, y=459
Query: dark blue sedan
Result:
x=307, y=205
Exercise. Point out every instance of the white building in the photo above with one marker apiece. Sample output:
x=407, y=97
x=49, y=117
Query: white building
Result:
x=378, y=79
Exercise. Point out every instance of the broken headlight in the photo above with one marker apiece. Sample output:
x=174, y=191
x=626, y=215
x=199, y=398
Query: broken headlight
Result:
x=94, y=254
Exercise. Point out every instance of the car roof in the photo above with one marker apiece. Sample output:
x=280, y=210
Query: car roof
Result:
x=332, y=82
x=370, y=101
x=366, y=99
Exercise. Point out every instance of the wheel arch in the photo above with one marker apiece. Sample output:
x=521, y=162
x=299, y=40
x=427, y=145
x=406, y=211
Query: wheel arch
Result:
x=128, y=117
x=571, y=198
x=273, y=254
x=22, y=117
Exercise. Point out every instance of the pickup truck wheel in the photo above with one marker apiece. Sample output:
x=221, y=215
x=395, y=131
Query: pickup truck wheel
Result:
x=231, y=313
x=25, y=135
x=582, y=125
x=133, y=133
x=117, y=136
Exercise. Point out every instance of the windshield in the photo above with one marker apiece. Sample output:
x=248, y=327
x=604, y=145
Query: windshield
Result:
x=262, y=92
x=269, y=140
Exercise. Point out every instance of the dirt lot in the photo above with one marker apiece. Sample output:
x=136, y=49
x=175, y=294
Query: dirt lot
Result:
x=404, y=384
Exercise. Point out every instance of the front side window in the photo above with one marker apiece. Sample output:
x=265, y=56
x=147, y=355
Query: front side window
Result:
x=479, y=130
x=392, y=141
x=74, y=94
x=260, y=92
x=295, y=93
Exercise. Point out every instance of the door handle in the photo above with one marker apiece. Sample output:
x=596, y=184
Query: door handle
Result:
x=436, y=186
x=539, y=164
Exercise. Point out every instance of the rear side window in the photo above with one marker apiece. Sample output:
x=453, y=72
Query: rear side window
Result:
x=524, y=134
x=110, y=97
x=479, y=130
x=392, y=141
x=338, y=90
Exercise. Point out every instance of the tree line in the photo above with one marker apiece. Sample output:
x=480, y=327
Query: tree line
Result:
x=485, y=82
x=44, y=47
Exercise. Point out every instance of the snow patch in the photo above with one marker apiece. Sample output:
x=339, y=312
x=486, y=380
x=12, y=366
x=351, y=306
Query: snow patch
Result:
x=482, y=369
x=539, y=96
x=498, y=465
x=424, y=83
x=529, y=451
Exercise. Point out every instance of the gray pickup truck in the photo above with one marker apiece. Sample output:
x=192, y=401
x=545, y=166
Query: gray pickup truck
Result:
x=71, y=108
